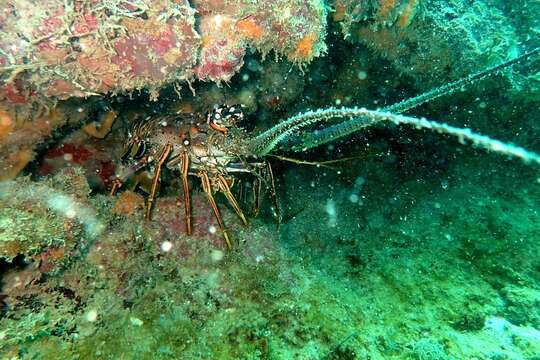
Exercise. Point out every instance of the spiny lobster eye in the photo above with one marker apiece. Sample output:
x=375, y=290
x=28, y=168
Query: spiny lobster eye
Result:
x=224, y=117
x=234, y=113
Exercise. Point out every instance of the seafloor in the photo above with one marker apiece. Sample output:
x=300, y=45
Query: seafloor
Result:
x=411, y=246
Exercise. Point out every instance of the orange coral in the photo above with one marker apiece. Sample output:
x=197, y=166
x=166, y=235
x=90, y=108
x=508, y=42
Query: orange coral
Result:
x=304, y=49
x=250, y=29
x=6, y=124
x=385, y=7
x=16, y=162
x=340, y=11
x=19, y=138
x=408, y=14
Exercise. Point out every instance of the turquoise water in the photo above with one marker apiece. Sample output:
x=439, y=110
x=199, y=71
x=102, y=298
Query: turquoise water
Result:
x=391, y=242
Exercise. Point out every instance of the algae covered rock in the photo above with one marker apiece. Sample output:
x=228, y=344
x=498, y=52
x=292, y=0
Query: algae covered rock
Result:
x=523, y=304
x=428, y=40
x=48, y=216
x=57, y=50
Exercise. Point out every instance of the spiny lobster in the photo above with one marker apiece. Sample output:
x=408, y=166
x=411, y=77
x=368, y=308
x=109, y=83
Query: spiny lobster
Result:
x=211, y=150
x=217, y=150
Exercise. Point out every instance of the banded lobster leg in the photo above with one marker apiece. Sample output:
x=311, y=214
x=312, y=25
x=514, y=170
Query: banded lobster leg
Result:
x=270, y=174
x=267, y=175
x=184, y=170
x=255, y=207
x=207, y=187
x=226, y=189
x=155, y=180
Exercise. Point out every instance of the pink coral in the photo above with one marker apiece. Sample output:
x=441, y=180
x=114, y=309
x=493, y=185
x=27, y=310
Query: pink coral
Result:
x=222, y=50
x=92, y=48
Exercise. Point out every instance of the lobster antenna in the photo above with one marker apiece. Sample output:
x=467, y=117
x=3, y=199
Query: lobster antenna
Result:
x=452, y=87
x=364, y=117
x=323, y=136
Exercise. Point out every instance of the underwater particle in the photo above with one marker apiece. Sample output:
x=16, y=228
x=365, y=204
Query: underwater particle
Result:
x=359, y=182
x=136, y=321
x=332, y=212
x=444, y=184
x=91, y=316
x=212, y=229
x=166, y=246
x=362, y=75
x=71, y=213
x=217, y=255
x=353, y=198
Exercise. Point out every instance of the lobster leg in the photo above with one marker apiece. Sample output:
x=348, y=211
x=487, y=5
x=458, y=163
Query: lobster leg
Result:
x=184, y=169
x=119, y=181
x=273, y=192
x=116, y=185
x=240, y=192
x=232, y=200
x=256, y=196
x=207, y=187
x=156, y=178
